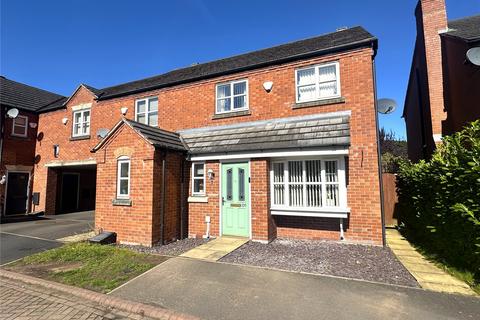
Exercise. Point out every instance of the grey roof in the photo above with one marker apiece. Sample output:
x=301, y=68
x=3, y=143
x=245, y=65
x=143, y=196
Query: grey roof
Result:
x=18, y=95
x=285, y=133
x=337, y=41
x=157, y=137
x=467, y=28
x=95, y=91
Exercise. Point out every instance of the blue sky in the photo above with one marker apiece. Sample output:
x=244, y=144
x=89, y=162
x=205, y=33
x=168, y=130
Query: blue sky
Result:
x=57, y=44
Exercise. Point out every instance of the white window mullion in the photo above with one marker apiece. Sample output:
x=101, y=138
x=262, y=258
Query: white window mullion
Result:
x=287, y=184
x=304, y=184
x=324, y=188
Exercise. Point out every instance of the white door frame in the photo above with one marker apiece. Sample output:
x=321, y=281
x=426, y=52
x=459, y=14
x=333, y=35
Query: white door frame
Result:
x=6, y=190
x=220, y=170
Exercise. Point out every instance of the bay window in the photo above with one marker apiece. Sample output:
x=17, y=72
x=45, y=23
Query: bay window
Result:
x=308, y=185
x=146, y=111
x=232, y=96
x=318, y=82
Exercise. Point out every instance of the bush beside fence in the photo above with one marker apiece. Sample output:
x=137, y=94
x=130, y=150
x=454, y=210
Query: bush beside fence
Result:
x=440, y=200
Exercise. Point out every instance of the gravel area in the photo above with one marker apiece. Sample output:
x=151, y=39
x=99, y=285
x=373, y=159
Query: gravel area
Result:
x=325, y=257
x=172, y=249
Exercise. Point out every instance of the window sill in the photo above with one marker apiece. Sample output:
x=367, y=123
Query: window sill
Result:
x=79, y=138
x=197, y=199
x=231, y=114
x=122, y=202
x=308, y=212
x=18, y=137
x=317, y=103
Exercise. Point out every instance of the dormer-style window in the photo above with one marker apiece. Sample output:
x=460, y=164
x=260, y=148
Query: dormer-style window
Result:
x=146, y=111
x=20, y=126
x=81, y=123
x=232, y=96
x=318, y=82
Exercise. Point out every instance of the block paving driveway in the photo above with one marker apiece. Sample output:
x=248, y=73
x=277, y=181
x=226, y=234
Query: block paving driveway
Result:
x=25, y=301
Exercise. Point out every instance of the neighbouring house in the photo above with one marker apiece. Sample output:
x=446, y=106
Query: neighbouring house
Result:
x=280, y=142
x=18, y=136
x=443, y=88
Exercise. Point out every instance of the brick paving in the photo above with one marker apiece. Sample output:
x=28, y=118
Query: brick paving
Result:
x=22, y=301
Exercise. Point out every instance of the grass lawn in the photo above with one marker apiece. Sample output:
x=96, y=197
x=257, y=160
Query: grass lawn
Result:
x=94, y=267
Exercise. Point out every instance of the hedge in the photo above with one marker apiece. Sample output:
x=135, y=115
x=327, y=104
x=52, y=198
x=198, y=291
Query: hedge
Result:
x=440, y=200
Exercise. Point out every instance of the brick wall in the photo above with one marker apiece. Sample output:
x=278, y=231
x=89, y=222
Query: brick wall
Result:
x=17, y=152
x=193, y=105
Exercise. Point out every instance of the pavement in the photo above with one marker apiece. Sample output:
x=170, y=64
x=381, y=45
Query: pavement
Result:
x=22, y=238
x=215, y=249
x=26, y=301
x=428, y=275
x=212, y=290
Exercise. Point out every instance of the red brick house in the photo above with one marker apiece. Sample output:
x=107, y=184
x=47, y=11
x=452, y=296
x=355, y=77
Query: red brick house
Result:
x=442, y=94
x=280, y=142
x=18, y=137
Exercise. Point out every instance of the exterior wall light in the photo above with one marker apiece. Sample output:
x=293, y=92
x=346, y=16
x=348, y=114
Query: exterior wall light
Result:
x=210, y=174
x=124, y=110
x=267, y=85
x=65, y=121
x=33, y=125
x=56, y=150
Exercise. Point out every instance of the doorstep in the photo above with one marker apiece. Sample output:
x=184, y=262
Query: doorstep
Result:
x=428, y=275
x=215, y=249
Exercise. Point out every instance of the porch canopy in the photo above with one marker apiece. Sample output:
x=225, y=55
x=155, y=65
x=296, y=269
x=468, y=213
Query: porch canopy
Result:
x=327, y=132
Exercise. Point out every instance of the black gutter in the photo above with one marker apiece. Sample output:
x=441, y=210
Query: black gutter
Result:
x=353, y=45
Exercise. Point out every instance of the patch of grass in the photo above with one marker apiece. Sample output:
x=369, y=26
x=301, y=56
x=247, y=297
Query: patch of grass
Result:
x=95, y=267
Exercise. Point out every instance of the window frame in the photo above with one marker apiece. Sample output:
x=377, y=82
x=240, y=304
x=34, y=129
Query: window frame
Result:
x=120, y=161
x=147, y=110
x=81, y=111
x=204, y=178
x=304, y=210
x=23, y=135
x=232, y=96
x=317, y=82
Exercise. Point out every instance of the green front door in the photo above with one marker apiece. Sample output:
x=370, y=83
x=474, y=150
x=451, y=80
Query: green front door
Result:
x=235, y=199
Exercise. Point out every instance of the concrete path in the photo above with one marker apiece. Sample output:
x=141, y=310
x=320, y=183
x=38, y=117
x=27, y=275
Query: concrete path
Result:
x=215, y=249
x=212, y=290
x=427, y=274
x=25, y=301
x=22, y=238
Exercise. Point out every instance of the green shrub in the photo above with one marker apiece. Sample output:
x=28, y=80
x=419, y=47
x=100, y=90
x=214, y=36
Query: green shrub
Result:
x=440, y=200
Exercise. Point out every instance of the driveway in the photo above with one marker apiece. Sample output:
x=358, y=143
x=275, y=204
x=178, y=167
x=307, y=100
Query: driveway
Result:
x=22, y=238
x=212, y=290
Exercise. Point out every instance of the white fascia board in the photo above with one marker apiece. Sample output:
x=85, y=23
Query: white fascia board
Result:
x=272, y=154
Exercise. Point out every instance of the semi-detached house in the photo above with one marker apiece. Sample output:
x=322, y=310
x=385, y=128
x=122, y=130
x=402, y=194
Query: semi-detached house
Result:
x=280, y=142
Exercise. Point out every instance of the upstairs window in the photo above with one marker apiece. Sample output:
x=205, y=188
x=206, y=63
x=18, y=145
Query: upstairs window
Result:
x=232, y=96
x=81, y=123
x=146, y=111
x=20, y=126
x=198, y=179
x=318, y=82
x=123, y=177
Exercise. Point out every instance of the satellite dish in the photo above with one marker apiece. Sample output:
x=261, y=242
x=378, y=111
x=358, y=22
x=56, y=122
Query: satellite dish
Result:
x=473, y=55
x=12, y=113
x=102, y=133
x=386, y=106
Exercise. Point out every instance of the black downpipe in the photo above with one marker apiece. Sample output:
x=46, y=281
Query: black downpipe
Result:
x=380, y=180
x=162, y=207
x=182, y=200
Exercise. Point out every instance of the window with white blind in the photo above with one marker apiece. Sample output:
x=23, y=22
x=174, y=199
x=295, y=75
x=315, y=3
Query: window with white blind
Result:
x=308, y=184
x=146, y=111
x=232, y=96
x=318, y=82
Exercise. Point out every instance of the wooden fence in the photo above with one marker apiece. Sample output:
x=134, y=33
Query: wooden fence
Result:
x=390, y=198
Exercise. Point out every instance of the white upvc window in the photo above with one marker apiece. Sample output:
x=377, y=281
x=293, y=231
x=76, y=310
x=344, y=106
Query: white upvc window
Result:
x=231, y=96
x=146, y=111
x=81, y=123
x=198, y=178
x=20, y=126
x=310, y=184
x=123, y=177
x=318, y=82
